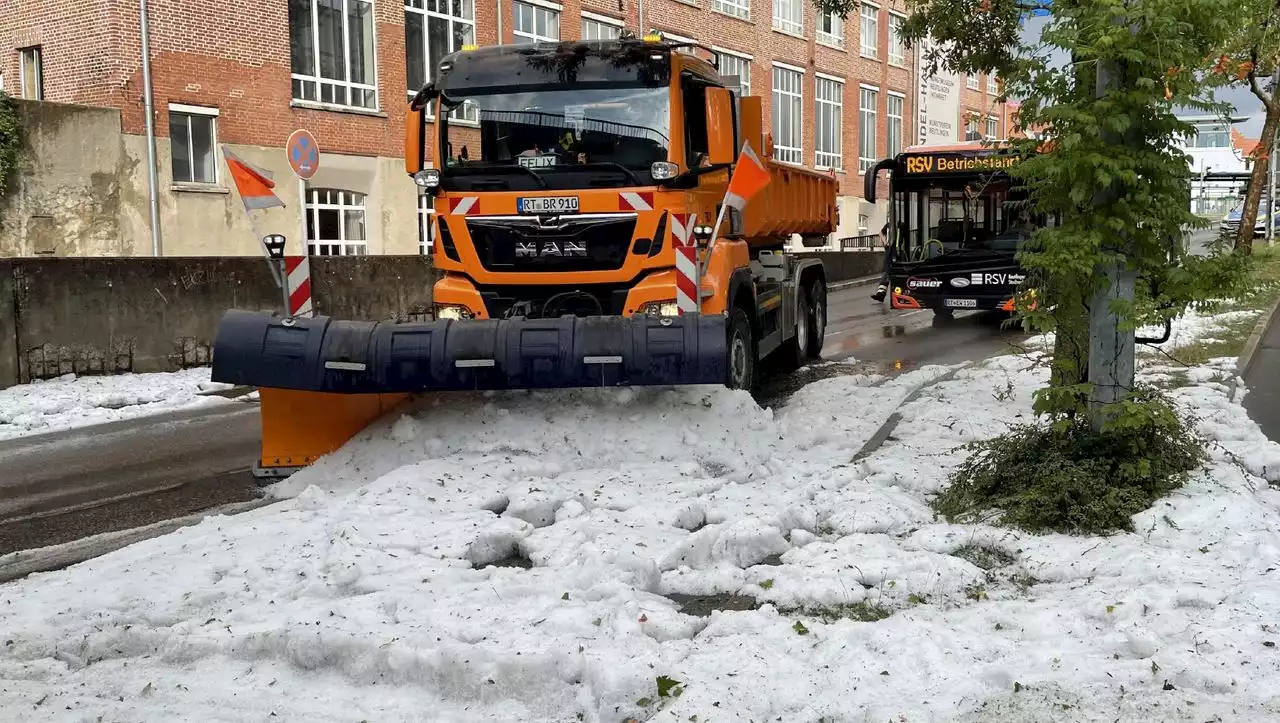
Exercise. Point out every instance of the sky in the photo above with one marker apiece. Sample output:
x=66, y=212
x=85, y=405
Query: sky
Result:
x=1246, y=104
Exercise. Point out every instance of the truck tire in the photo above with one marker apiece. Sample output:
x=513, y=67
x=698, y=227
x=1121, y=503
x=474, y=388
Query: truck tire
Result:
x=742, y=352
x=816, y=304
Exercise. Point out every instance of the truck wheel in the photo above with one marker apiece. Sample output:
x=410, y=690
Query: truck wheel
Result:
x=742, y=352
x=815, y=318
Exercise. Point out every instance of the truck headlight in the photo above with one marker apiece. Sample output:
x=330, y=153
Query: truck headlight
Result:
x=660, y=308
x=427, y=178
x=452, y=311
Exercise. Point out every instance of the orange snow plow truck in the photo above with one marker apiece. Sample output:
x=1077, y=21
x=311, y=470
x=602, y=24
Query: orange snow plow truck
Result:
x=579, y=187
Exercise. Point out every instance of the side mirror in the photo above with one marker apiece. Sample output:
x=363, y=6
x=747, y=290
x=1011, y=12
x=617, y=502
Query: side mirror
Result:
x=415, y=130
x=720, y=126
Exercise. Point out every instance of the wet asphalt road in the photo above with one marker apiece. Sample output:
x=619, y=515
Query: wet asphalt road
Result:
x=60, y=487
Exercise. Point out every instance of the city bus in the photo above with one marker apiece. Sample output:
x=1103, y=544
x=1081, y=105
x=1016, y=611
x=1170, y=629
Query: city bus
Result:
x=956, y=222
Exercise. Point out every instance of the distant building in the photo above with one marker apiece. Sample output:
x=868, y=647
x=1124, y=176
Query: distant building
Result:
x=838, y=95
x=1217, y=149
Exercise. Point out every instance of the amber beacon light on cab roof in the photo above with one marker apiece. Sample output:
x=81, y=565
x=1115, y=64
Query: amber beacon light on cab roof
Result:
x=609, y=214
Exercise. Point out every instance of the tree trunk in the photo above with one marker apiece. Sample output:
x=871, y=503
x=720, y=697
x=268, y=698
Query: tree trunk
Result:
x=1257, y=182
x=1070, y=364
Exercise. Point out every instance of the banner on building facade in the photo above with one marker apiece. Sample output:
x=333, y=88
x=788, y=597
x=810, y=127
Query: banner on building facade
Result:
x=938, y=103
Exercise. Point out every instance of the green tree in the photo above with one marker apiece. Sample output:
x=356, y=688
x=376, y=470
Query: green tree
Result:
x=1108, y=165
x=1251, y=57
x=10, y=140
x=1100, y=87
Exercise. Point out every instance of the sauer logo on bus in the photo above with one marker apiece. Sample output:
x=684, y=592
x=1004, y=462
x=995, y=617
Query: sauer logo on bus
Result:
x=542, y=249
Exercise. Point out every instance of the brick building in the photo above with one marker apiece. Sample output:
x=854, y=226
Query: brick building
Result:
x=246, y=73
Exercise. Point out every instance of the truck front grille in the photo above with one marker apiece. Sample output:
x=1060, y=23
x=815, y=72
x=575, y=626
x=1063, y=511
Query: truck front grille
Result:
x=564, y=244
x=537, y=302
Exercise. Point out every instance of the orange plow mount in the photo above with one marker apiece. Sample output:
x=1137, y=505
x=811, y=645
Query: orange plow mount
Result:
x=300, y=427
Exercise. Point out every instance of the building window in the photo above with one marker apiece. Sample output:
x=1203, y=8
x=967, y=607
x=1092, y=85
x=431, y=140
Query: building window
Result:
x=971, y=82
x=31, y=73
x=432, y=30
x=535, y=23
x=893, y=130
x=993, y=85
x=788, y=100
x=193, y=138
x=736, y=8
x=1212, y=135
x=828, y=129
x=426, y=212
x=687, y=49
x=993, y=128
x=897, y=46
x=336, y=223
x=971, y=126
x=867, y=98
x=332, y=52
x=870, y=34
x=788, y=16
x=831, y=29
x=732, y=64
x=598, y=27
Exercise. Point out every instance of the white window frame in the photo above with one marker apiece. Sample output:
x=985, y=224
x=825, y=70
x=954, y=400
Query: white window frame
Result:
x=971, y=81
x=602, y=20
x=783, y=151
x=740, y=9
x=993, y=85
x=26, y=56
x=537, y=5
x=316, y=80
x=867, y=130
x=682, y=39
x=897, y=48
x=345, y=246
x=890, y=119
x=835, y=38
x=992, y=128
x=972, y=123
x=871, y=50
x=830, y=158
x=788, y=17
x=746, y=61
x=466, y=113
x=212, y=114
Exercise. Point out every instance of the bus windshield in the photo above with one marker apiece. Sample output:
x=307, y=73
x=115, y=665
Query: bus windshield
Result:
x=964, y=213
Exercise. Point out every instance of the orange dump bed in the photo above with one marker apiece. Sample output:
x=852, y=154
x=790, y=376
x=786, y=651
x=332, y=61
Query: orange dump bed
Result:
x=795, y=201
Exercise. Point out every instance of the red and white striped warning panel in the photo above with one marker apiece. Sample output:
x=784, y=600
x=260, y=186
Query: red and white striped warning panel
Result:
x=298, y=271
x=686, y=262
x=464, y=205
x=633, y=201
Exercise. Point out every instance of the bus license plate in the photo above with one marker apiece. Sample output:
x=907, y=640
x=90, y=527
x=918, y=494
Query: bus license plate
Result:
x=960, y=303
x=548, y=204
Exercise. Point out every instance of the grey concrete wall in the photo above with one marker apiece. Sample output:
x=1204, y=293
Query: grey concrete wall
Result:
x=113, y=315
x=67, y=196
x=107, y=316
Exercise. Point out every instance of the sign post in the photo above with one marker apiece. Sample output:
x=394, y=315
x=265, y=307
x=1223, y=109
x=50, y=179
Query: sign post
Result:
x=304, y=159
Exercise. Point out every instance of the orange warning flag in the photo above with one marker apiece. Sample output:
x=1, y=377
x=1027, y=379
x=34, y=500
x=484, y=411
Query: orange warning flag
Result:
x=749, y=178
x=253, y=183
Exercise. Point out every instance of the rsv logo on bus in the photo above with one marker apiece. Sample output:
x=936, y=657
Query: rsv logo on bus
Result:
x=980, y=279
x=919, y=164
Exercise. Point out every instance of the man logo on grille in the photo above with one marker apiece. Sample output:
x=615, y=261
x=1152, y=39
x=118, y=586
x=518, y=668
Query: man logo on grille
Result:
x=545, y=249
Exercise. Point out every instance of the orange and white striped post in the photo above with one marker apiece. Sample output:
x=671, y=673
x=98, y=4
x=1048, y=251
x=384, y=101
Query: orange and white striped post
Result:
x=749, y=178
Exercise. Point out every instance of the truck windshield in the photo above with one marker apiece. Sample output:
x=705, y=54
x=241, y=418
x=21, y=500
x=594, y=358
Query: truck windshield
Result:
x=554, y=139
